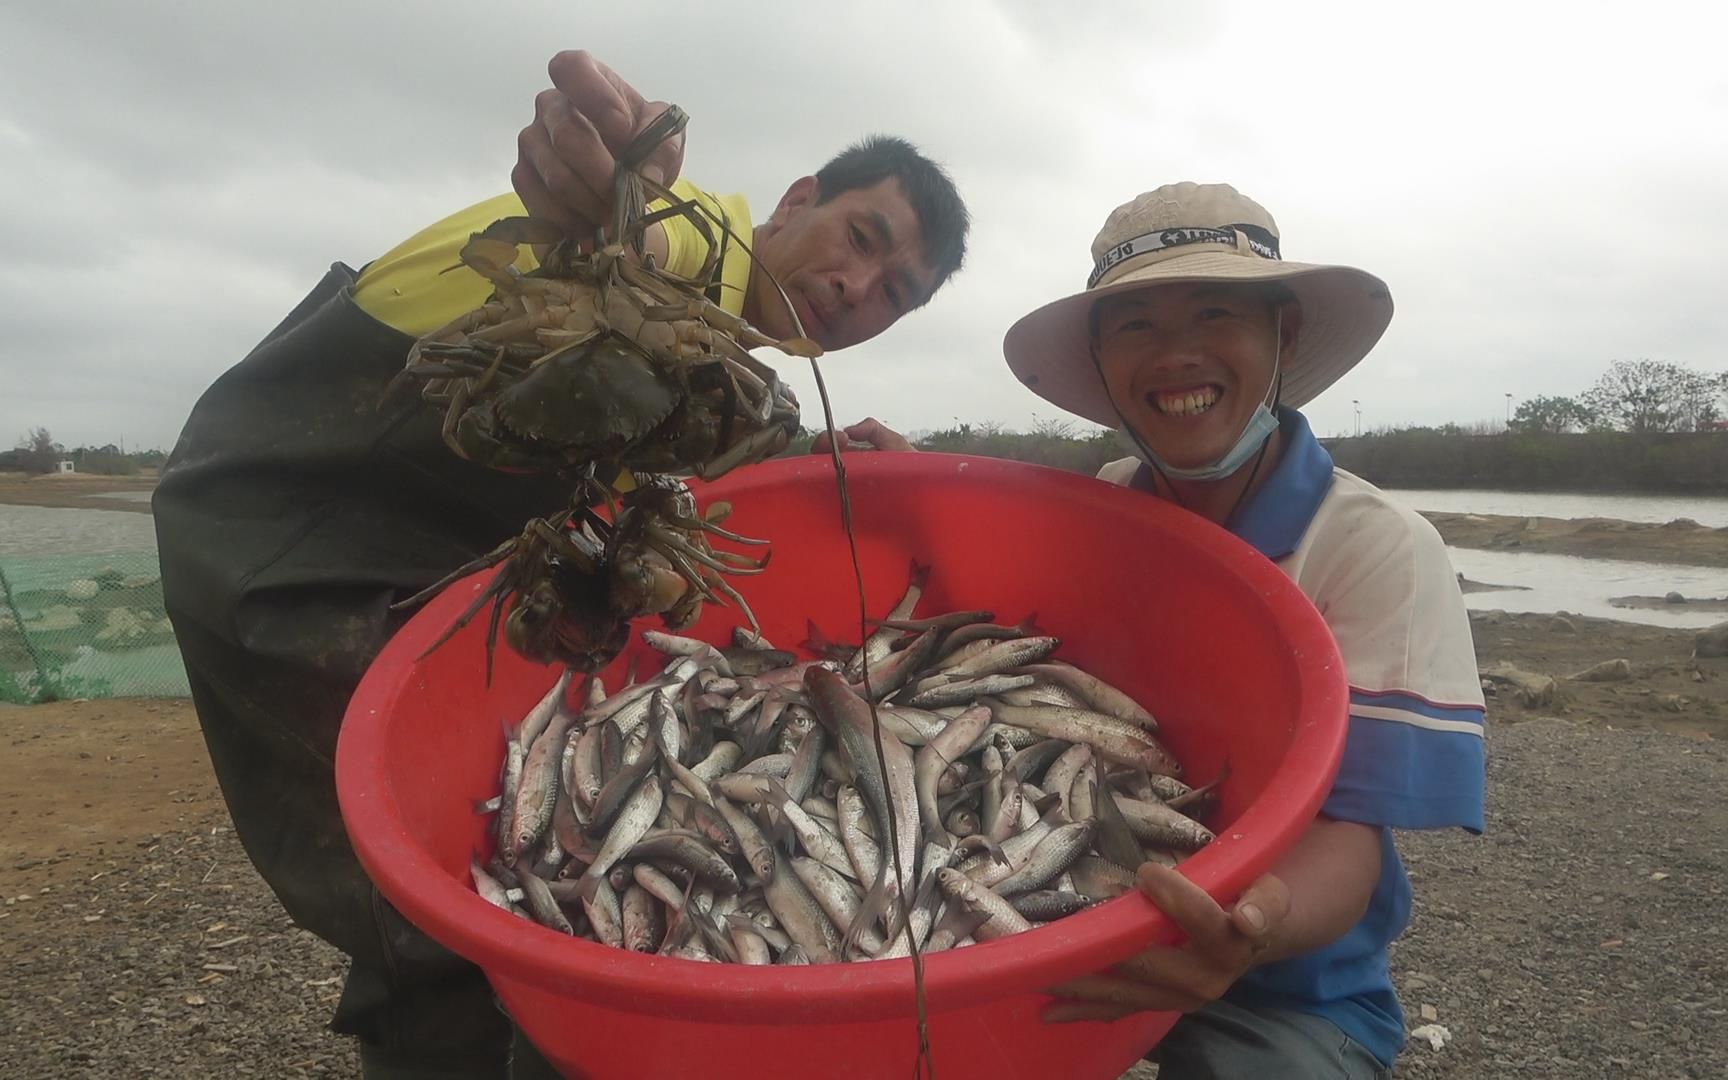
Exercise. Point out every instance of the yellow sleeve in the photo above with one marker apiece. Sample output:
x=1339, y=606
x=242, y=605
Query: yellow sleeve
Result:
x=407, y=288
x=687, y=247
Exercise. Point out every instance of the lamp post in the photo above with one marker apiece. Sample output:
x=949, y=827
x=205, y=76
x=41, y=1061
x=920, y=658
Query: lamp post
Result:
x=1508, y=410
x=1356, y=402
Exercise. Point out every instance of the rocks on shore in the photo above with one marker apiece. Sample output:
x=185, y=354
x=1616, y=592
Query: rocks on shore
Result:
x=1533, y=691
x=1711, y=642
x=1618, y=670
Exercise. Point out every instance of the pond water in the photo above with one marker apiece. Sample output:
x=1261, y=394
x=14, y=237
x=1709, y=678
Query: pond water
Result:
x=1584, y=586
x=1709, y=510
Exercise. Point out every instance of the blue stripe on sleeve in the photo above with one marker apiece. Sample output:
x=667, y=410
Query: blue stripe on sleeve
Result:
x=1409, y=777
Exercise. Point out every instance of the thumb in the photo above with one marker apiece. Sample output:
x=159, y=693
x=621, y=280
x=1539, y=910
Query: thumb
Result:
x=1260, y=910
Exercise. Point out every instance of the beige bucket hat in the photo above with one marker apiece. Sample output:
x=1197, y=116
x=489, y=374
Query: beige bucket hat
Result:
x=1185, y=233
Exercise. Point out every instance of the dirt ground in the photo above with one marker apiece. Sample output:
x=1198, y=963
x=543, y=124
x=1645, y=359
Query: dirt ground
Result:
x=140, y=942
x=1579, y=937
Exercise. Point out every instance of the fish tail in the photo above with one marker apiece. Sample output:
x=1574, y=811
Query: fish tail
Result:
x=874, y=905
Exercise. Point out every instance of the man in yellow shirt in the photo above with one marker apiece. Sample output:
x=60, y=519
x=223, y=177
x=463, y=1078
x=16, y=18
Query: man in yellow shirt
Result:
x=294, y=510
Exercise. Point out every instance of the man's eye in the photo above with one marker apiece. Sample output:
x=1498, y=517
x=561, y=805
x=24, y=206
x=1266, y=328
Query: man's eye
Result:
x=858, y=238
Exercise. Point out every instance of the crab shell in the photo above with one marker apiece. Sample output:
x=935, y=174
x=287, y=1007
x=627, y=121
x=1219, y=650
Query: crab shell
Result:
x=586, y=402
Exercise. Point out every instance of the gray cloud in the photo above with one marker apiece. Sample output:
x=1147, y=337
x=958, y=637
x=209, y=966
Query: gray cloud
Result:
x=1543, y=195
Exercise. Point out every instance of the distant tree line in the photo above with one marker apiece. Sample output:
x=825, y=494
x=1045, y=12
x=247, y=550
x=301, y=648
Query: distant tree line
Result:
x=37, y=453
x=1059, y=444
x=1636, y=396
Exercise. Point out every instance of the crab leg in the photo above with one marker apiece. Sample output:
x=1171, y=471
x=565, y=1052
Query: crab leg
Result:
x=498, y=587
x=743, y=606
x=664, y=538
x=762, y=442
x=686, y=570
x=689, y=524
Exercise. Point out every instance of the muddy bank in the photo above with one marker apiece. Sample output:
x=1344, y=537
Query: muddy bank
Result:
x=1681, y=541
x=1672, y=601
x=1633, y=676
x=75, y=491
x=1465, y=585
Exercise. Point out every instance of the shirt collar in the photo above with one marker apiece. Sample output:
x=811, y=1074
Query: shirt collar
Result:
x=1275, y=517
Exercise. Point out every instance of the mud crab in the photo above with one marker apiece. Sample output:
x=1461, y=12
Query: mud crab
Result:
x=597, y=364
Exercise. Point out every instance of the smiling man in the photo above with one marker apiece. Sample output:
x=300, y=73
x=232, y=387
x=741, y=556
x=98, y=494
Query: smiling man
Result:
x=1198, y=343
x=296, y=507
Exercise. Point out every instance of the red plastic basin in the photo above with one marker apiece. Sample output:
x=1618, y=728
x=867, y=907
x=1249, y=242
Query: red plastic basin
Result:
x=1231, y=658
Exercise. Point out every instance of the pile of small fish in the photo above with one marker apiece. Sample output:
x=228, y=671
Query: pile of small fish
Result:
x=740, y=807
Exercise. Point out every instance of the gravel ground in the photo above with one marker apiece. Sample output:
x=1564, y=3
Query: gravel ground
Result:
x=1580, y=937
x=1582, y=934
x=167, y=957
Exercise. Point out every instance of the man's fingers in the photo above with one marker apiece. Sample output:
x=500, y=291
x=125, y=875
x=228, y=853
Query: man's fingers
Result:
x=1185, y=974
x=539, y=202
x=587, y=164
x=1125, y=994
x=1197, y=915
x=1068, y=1012
x=666, y=160
x=821, y=444
x=616, y=112
x=878, y=434
x=598, y=93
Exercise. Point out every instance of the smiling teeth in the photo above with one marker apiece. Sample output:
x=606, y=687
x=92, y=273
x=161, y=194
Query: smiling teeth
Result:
x=1187, y=403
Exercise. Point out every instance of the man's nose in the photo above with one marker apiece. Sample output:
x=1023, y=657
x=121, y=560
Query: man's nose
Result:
x=853, y=283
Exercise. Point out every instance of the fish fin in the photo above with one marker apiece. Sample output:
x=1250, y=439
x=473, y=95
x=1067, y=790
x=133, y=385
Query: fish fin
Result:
x=919, y=575
x=997, y=855
x=821, y=645
x=936, y=833
x=874, y=905
x=1200, y=793
x=778, y=823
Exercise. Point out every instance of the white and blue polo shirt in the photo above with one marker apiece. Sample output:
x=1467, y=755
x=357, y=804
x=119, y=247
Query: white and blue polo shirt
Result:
x=1414, y=757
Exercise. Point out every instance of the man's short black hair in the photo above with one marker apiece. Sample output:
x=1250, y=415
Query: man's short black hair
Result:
x=942, y=215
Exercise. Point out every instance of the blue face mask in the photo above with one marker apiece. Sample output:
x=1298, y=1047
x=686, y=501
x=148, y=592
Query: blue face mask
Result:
x=1261, y=424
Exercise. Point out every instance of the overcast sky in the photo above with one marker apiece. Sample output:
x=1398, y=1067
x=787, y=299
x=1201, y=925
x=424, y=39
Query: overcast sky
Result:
x=1545, y=194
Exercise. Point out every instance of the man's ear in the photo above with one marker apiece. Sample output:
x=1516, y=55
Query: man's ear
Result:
x=800, y=195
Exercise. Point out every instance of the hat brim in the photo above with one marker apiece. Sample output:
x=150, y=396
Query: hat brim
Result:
x=1345, y=312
